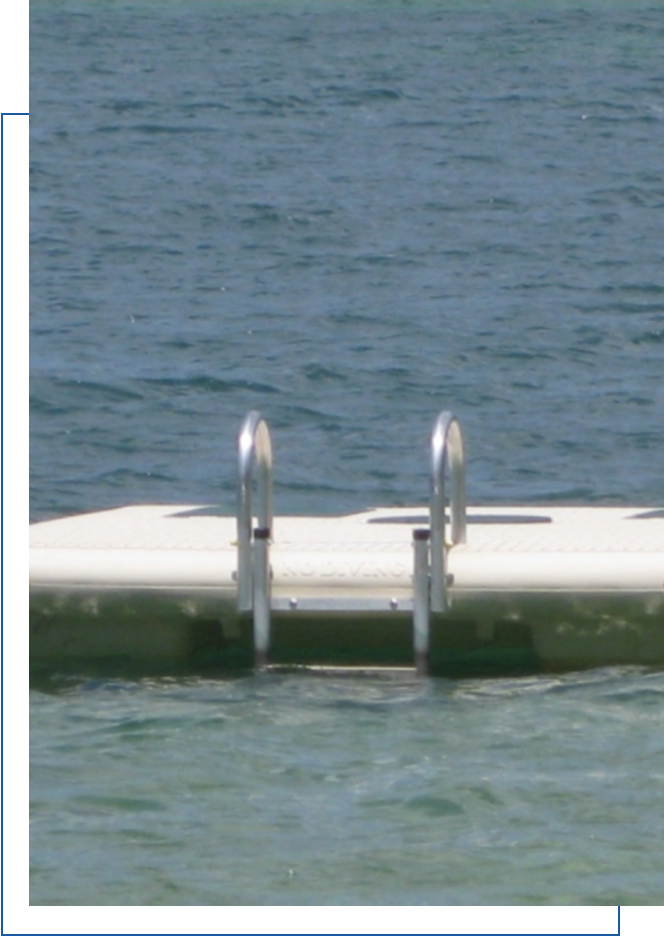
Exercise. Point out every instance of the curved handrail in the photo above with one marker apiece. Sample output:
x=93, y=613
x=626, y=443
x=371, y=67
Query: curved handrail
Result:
x=446, y=446
x=254, y=453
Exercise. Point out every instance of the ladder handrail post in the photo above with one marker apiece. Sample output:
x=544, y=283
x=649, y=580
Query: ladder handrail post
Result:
x=446, y=448
x=254, y=457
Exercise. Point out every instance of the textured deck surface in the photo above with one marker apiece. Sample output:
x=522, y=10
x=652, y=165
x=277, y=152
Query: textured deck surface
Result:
x=493, y=529
x=605, y=547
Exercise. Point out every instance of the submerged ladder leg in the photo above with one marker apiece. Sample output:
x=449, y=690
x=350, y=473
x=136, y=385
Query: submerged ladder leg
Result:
x=261, y=597
x=421, y=601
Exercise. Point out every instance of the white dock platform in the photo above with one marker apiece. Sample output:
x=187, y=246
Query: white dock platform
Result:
x=543, y=587
x=485, y=589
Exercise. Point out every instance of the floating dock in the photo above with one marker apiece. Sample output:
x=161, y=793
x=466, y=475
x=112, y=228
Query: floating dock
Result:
x=444, y=589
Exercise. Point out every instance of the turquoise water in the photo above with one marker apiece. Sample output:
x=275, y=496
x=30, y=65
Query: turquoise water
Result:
x=349, y=216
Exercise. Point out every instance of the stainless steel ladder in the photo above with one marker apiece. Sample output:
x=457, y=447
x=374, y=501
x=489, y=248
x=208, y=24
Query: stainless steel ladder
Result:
x=430, y=545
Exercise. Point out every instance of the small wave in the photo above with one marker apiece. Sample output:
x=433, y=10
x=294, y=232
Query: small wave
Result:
x=208, y=384
x=85, y=391
x=434, y=806
x=650, y=337
x=154, y=129
x=318, y=373
x=120, y=476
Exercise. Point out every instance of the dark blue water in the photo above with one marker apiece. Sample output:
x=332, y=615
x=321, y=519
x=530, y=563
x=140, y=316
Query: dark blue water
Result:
x=348, y=216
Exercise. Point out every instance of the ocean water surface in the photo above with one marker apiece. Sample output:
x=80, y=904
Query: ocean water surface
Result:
x=349, y=216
